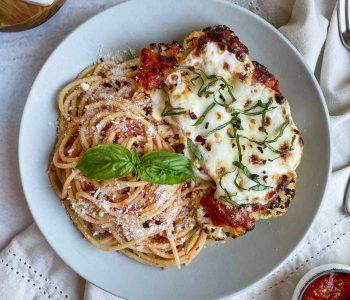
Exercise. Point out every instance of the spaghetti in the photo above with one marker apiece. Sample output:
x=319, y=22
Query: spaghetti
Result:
x=153, y=224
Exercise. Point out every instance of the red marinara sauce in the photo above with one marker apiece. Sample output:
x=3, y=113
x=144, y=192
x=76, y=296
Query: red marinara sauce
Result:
x=222, y=214
x=156, y=63
x=333, y=286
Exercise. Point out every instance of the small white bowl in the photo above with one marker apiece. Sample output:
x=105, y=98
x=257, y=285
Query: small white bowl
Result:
x=315, y=273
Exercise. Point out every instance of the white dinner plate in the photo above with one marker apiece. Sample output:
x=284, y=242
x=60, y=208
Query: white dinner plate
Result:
x=218, y=271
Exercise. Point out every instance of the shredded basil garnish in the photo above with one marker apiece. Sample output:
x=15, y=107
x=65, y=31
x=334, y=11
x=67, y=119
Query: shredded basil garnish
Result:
x=217, y=128
x=292, y=143
x=202, y=117
x=227, y=86
x=273, y=159
x=253, y=177
x=235, y=122
x=265, y=108
x=195, y=151
x=190, y=236
x=266, y=143
x=232, y=202
x=224, y=189
x=172, y=111
x=204, y=89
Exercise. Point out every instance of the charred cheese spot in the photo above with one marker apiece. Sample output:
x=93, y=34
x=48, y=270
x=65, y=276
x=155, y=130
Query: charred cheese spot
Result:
x=226, y=66
x=218, y=116
x=247, y=103
x=262, y=75
x=256, y=160
x=217, y=137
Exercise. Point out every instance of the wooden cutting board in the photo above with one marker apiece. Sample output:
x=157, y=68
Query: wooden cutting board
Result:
x=16, y=15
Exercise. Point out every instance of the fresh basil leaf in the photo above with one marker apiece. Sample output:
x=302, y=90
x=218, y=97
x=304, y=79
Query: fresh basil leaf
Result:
x=267, y=142
x=255, y=113
x=236, y=122
x=164, y=168
x=202, y=117
x=195, y=151
x=224, y=189
x=106, y=161
x=134, y=157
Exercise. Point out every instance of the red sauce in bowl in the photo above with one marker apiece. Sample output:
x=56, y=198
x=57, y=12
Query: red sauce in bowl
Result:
x=332, y=286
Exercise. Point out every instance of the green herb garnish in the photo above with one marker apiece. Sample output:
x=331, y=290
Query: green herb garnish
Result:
x=232, y=202
x=265, y=108
x=292, y=143
x=204, y=89
x=280, y=133
x=217, y=128
x=172, y=111
x=195, y=151
x=266, y=143
x=106, y=161
x=242, y=168
x=190, y=236
x=224, y=189
x=202, y=117
x=227, y=86
x=253, y=177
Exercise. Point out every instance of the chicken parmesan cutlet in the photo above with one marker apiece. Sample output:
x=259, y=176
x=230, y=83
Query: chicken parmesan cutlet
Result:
x=233, y=123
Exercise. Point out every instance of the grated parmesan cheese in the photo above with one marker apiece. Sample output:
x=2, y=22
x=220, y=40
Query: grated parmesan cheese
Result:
x=85, y=86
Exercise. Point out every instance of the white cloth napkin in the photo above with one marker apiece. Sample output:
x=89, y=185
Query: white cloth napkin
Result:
x=29, y=269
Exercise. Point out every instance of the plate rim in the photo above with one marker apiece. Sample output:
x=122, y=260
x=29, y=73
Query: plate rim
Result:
x=26, y=191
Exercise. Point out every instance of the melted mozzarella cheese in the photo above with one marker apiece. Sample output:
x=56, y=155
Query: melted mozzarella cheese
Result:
x=219, y=62
x=158, y=103
x=220, y=150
